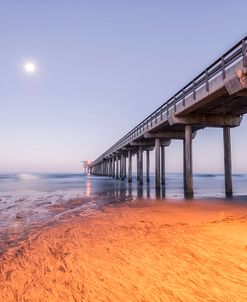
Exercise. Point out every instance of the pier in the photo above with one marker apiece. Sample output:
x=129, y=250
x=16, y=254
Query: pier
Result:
x=217, y=98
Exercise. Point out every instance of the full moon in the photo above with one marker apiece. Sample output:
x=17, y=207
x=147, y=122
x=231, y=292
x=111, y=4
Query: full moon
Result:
x=30, y=67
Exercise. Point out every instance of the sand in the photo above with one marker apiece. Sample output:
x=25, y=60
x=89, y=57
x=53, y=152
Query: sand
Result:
x=139, y=251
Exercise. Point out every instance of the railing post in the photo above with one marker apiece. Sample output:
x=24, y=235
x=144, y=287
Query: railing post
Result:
x=183, y=97
x=207, y=83
x=194, y=89
x=244, y=53
x=223, y=68
x=175, y=104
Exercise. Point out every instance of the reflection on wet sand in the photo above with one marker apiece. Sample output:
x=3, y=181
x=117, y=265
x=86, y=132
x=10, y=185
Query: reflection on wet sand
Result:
x=88, y=187
x=121, y=188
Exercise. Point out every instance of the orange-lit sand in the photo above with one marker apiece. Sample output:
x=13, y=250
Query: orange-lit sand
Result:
x=143, y=251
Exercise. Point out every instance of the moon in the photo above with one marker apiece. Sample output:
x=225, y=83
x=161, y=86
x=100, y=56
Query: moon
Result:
x=30, y=67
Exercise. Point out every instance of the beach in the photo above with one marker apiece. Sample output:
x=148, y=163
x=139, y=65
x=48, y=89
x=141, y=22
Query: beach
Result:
x=139, y=250
x=123, y=153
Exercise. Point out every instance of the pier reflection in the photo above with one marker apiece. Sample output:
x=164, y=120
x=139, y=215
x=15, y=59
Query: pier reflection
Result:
x=88, y=187
x=111, y=187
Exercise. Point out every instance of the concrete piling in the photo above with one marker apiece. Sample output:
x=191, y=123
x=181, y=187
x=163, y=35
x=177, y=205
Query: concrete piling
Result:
x=109, y=167
x=113, y=167
x=129, y=166
x=163, y=165
x=140, y=164
x=157, y=162
x=137, y=166
x=188, y=173
x=227, y=161
x=147, y=166
x=117, y=167
x=124, y=167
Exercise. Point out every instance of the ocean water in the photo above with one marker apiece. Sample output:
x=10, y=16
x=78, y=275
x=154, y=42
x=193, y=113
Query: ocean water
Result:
x=67, y=184
x=32, y=200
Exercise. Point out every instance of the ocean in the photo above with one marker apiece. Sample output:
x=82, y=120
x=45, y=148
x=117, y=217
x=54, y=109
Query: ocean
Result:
x=32, y=200
x=75, y=184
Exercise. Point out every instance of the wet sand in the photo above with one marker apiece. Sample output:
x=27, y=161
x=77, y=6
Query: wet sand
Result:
x=138, y=251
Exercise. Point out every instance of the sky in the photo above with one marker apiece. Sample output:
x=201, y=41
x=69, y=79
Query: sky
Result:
x=102, y=67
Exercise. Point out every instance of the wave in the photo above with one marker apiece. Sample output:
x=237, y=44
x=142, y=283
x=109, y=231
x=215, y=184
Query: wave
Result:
x=32, y=176
x=26, y=176
x=62, y=175
x=208, y=175
x=78, y=176
x=8, y=176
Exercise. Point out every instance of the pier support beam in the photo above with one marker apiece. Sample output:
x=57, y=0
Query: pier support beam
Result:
x=157, y=163
x=113, y=167
x=110, y=167
x=122, y=166
x=163, y=165
x=148, y=166
x=140, y=164
x=117, y=167
x=227, y=161
x=112, y=161
x=188, y=172
x=129, y=166
x=137, y=166
x=107, y=168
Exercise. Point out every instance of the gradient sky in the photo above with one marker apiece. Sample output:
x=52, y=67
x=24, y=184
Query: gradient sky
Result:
x=103, y=66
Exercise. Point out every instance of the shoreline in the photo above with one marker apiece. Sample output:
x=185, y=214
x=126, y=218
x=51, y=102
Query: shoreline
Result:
x=136, y=251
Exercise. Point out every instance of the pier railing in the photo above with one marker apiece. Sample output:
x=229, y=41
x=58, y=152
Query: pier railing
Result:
x=236, y=53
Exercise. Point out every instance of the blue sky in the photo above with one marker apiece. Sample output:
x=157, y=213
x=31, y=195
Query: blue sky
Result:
x=102, y=67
